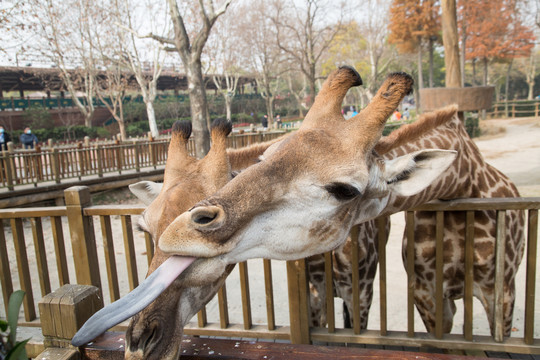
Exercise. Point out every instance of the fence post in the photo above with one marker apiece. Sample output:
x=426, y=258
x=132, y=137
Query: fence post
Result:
x=64, y=311
x=7, y=169
x=151, y=150
x=99, y=152
x=39, y=165
x=83, y=241
x=56, y=165
x=118, y=155
x=536, y=109
x=11, y=161
x=136, y=150
x=298, y=301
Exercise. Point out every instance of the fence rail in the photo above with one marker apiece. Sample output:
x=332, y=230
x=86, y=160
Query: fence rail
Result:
x=102, y=253
x=56, y=164
x=515, y=108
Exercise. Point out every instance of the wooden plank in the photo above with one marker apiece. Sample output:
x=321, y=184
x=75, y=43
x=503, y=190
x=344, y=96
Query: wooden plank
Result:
x=41, y=256
x=129, y=247
x=481, y=204
x=32, y=212
x=246, y=299
x=269, y=292
x=202, y=318
x=110, y=261
x=469, y=277
x=59, y=354
x=24, y=270
x=120, y=210
x=110, y=346
x=223, y=307
x=500, y=249
x=532, y=242
x=329, y=289
x=5, y=275
x=355, y=279
x=439, y=265
x=381, y=227
x=149, y=247
x=410, y=273
x=60, y=250
x=299, y=326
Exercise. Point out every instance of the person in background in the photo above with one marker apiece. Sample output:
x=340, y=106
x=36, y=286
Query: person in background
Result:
x=406, y=114
x=4, y=138
x=264, y=122
x=396, y=116
x=28, y=139
x=278, y=121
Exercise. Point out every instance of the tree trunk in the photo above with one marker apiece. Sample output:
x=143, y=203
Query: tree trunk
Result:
x=507, y=87
x=463, y=55
x=198, y=106
x=270, y=110
x=451, y=43
x=88, y=119
x=430, y=44
x=420, y=70
x=485, y=79
x=228, y=103
x=474, y=72
x=312, y=86
x=150, y=112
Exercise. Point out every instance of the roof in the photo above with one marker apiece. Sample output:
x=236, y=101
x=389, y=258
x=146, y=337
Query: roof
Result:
x=40, y=79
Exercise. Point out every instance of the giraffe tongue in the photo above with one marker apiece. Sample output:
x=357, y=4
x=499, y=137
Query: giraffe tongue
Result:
x=133, y=302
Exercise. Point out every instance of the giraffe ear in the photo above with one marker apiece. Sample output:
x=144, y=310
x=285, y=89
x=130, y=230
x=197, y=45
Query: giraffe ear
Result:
x=409, y=174
x=146, y=191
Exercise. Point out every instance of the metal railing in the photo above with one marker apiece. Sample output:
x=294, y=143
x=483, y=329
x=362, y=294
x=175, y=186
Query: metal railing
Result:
x=101, y=253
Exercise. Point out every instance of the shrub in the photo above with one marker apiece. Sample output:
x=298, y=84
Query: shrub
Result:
x=10, y=348
x=38, y=117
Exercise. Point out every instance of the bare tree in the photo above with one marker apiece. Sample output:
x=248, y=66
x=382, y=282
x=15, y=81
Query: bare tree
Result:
x=143, y=59
x=65, y=37
x=190, y=45
x=304, y=33
x=264, y=57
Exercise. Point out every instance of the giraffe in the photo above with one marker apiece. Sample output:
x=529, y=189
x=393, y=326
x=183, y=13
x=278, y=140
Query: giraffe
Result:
x=322, y=179
x=468, y=176
x=338, y=199
x=156, y=331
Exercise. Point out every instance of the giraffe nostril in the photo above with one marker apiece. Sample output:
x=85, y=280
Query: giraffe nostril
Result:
x=206, y=215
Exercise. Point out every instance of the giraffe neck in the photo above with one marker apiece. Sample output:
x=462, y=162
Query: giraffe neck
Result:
x=468, y=176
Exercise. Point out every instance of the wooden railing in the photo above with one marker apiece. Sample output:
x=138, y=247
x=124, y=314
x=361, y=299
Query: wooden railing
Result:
x=55, y=164
x=97, y=253
x=515, y=108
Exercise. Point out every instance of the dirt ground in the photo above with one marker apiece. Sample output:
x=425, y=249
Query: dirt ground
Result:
x=512, y=146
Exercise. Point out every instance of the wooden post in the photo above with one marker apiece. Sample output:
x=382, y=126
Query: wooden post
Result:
x=99, y=152
x=83, y=240
x=7, y=168
x=12, y=162
x=136, y=154
x=80, y=159
x=38, y=165
x=56, y=165
x=298, y=302
x=451, y=43
x=64, y=311
x=536, y=109
x=118, y=156
x=152, y=152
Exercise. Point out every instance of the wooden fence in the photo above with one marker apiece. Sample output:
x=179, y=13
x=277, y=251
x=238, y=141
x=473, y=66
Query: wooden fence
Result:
x=56, y=164
x=515, y=108
x=81, y=243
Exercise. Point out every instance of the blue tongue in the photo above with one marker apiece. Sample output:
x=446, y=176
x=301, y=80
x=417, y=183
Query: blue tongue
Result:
x=133, y=302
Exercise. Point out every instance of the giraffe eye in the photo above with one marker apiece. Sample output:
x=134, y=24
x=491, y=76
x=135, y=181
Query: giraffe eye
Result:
x=342, y=191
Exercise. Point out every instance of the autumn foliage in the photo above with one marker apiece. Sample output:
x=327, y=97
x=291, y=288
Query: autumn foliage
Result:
x=412, y=22
x=494, y=30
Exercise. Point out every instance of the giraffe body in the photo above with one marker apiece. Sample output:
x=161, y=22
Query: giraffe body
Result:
x=468, y=177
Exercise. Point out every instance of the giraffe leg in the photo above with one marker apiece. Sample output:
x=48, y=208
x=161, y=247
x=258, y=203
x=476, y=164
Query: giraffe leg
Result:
x=317, y=291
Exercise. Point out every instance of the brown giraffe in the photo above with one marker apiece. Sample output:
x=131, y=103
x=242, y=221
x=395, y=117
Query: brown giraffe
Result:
x=323, y=179
x=156, y=332
x=468, y=176
x=371, y=182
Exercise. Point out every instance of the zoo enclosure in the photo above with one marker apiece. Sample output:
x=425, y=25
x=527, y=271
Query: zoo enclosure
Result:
x=59, y=163
x=84, y=243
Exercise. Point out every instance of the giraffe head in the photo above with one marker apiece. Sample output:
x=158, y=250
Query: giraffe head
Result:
x=156, y=331
x=309, y=189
